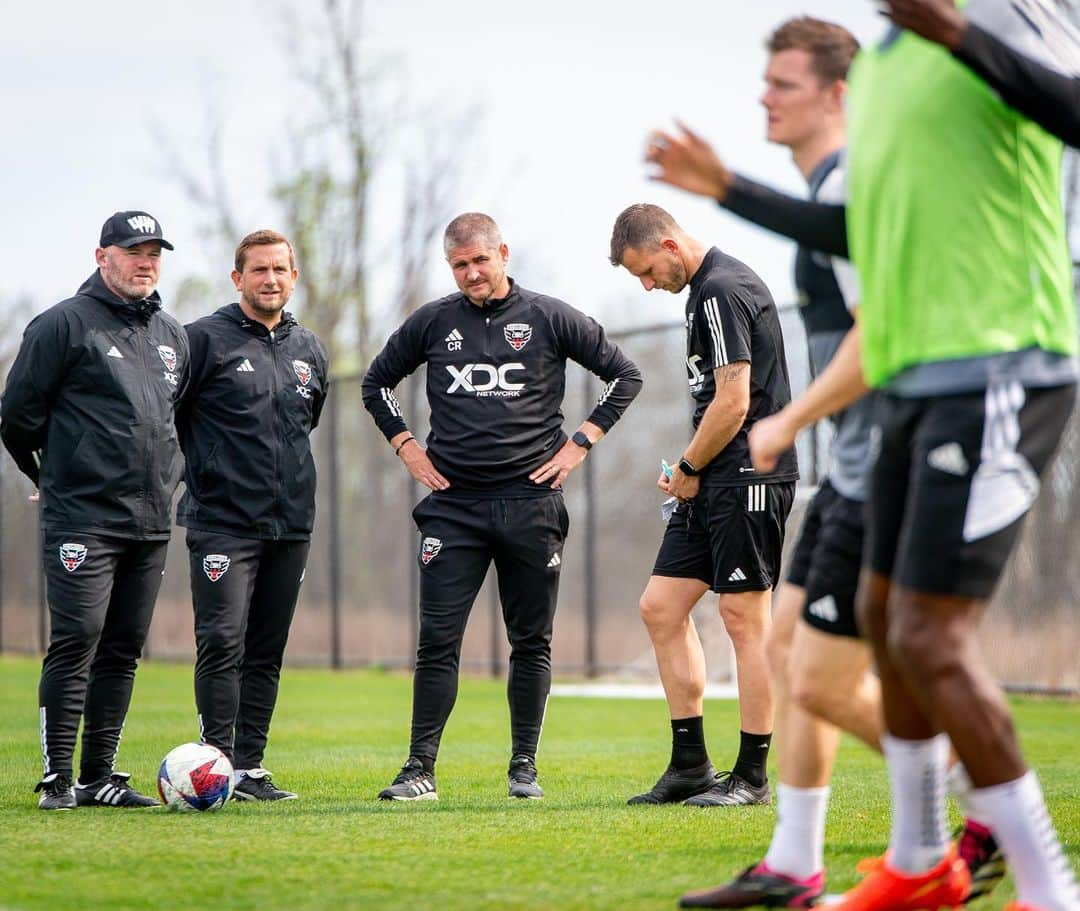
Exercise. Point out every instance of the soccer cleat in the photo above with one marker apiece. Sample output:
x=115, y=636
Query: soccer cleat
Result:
x=730, y=790
x=985, y=862
x=759, y=886
x=885, y=889
x=675, y=785
x=112, y=791
x=522, y=775
x=412, y=783
x=256, y=784
x=56, y=793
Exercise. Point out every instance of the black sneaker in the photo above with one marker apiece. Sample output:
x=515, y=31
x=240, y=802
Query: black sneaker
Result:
x=56, y=793
x=255, y=784
x=730, y=790
x=412, y=783
x=675, y=785
x=112, y=791
x=758, y=885
x=522, y=774
x=979, y=850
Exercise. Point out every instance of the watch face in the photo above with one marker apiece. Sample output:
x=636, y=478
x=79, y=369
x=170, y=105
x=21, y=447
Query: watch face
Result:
x=580, y=439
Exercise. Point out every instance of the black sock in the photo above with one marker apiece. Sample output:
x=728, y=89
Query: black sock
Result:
x=688, y=743
x=429, y=763
x=753, y=754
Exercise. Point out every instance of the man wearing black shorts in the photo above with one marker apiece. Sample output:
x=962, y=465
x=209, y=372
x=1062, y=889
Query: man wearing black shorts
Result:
x=88, y=417
x=495, y=461
x=727, y=531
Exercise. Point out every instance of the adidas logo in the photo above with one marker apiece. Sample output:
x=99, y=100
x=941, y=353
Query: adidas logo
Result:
x=245, y=367
x=948, y=458
x=114, y=352
x=556, y=560
x=454, y=340
x=422, y=786
x=825, y=609
x=737, y=576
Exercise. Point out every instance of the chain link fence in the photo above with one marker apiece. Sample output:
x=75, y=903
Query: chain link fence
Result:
x=358, y=602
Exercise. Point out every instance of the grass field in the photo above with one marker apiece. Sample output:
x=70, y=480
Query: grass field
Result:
x=339, y=738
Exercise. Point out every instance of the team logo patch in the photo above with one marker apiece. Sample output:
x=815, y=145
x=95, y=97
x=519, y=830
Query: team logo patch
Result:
x=168, y=357
x=72, y=556
x=429, y=549
x=215, y=566
x=303, y=371
x=517, y=334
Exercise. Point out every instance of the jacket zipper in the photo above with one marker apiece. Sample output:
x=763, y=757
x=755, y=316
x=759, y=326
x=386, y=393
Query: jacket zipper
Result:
x=277, y=432
x=143, y=334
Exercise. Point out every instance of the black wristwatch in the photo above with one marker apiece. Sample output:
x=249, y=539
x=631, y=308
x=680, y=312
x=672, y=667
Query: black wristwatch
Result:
x=687, y=469
x=579, y=439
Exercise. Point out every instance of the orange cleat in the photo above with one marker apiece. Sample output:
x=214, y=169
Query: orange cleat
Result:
x=1017, y=906
x=887, y=889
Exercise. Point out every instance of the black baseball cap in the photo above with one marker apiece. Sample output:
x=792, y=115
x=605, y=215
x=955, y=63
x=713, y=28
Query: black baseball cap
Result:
x=126, y=229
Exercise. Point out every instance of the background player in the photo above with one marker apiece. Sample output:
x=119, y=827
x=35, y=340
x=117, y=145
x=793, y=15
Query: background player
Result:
x=728, y=530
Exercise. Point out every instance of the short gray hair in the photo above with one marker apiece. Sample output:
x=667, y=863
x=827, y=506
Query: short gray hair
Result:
x=640, y=226
x=471, y=228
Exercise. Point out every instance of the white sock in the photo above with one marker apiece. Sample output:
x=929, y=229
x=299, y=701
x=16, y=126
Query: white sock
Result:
x=1017, y=815
x=917, y=776
x=798, y=841
x=959, y=785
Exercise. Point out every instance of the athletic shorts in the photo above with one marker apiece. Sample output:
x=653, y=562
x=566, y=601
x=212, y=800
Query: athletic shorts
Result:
x=730, y=538
x=826, y=561
x=952, y=480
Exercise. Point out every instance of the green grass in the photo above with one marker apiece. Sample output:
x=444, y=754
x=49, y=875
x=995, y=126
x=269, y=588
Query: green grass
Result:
x=339, y=738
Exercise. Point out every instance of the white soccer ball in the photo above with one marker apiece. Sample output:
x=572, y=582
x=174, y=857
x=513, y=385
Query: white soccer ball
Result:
x=195, y=776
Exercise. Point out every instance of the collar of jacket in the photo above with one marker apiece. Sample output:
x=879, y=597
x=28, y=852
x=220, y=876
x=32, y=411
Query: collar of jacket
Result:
x=496, y=305
x=96, y=288
x=233, y=312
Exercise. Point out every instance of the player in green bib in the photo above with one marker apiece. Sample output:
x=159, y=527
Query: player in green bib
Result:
x=968, y=327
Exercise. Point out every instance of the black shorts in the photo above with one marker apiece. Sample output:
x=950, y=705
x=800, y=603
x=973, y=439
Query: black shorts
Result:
x=826, y=561
x=730, y=538
x=954, y=476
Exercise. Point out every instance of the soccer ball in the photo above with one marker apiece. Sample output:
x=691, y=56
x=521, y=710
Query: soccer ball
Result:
x=195, y=776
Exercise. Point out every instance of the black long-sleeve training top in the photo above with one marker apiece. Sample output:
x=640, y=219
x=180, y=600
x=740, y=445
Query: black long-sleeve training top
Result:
x=255, y=396
x=495, y=383
x=92, y=393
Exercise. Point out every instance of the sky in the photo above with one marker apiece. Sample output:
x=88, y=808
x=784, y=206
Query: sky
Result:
x=99, y=98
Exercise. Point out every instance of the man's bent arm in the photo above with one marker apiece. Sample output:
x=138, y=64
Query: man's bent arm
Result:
x=724, y=416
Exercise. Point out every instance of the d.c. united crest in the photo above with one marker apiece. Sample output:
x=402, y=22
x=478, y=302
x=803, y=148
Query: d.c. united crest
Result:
x=72, y=556
x=303, y=371
x=517, y=334
x=215, y=566
x=429, y=549
x=168, y=357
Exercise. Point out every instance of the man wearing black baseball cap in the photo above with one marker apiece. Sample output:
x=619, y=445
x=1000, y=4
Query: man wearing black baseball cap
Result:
x=88, y=416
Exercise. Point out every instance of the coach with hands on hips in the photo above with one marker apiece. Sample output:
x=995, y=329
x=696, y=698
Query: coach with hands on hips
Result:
x=258, y=384
x=495, y=460
x=88, y=417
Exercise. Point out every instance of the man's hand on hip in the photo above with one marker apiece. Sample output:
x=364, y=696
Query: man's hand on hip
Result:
x=419, y=464
x=554, y=471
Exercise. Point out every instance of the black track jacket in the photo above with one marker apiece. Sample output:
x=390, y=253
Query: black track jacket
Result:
x=495, y=383
x=92, y=393
x=254, y=398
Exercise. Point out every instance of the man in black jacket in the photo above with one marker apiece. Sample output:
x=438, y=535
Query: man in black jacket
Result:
x=496, y=459
x=88, y=417
x=258, y=384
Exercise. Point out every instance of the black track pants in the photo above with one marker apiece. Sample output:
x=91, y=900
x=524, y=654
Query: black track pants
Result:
x=101, y=592
x=459, y=539
x=244, y=591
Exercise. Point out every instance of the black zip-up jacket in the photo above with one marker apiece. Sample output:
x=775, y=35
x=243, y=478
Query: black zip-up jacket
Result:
x=495, y=382
x=88, y=410
x=255, y=396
